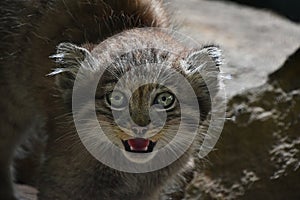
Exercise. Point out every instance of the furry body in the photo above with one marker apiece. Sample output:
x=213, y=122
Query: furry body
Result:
x=31, y=32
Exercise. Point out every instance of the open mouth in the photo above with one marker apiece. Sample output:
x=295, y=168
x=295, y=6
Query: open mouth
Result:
x=139, y=145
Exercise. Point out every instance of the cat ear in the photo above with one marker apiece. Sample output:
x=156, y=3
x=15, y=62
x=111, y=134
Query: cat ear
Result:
x=203, y=66
x=69, y=58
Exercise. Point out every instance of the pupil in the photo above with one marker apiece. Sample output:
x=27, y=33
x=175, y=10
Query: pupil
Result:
x=164, y=98
x=117, y=97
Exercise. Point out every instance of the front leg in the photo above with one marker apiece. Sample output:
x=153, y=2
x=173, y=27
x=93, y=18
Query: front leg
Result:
x=6, y=187
x=7, y=148
x=12, y=133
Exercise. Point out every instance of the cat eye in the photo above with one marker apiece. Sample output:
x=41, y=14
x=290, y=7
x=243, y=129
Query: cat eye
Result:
x=165, y=99
x=116, y=100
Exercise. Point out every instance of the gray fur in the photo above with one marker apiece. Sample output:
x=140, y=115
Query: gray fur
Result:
x=33, y=103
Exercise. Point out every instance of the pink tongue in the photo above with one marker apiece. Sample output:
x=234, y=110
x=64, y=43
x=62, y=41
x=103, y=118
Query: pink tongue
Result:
x=138, y=144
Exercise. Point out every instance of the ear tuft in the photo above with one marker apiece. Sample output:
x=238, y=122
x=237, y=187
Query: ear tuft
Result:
x=202, y=68
x=215, y=53
x=208, y=59
x=68, y=57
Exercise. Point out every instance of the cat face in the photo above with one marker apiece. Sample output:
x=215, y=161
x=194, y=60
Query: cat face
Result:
x=140, y=97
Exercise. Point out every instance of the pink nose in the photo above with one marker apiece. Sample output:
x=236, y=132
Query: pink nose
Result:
x=139, y=130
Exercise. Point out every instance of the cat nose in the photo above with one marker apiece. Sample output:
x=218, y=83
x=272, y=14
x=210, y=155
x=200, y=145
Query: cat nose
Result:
x=139, y=130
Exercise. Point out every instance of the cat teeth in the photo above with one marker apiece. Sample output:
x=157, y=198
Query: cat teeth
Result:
x=133, y=149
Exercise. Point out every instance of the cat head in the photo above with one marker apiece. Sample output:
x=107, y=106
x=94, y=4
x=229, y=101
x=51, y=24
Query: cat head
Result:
x=140, y=94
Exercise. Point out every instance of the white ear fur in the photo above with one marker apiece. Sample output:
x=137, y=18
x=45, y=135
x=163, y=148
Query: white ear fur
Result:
x=69, y=58
x=203, y=65
x=208, y=58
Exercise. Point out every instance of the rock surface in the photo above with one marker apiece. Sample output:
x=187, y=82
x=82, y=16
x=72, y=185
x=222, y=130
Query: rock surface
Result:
x=258, y=154
x=289, y=8
x=255, y=42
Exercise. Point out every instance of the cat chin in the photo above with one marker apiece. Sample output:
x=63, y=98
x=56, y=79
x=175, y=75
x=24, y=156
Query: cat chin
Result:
x=140, y=158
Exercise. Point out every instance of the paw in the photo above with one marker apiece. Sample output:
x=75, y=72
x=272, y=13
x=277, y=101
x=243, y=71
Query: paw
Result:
x=26, y=192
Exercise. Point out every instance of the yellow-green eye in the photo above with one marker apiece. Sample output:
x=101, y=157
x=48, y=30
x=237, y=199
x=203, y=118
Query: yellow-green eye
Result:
x=165, y=99
x=116, y=100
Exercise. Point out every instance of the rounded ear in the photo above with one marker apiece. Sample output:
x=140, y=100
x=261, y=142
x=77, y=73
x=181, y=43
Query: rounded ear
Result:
x=203, y=65
x=208, y=58
x=69, y=58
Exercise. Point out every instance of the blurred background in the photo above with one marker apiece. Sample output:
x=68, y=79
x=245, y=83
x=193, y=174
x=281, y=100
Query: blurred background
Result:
x=258, y=153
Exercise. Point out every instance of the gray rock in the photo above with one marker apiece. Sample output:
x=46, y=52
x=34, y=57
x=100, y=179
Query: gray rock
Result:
x=258, y=154
x=255, y=42
x=289, y=8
